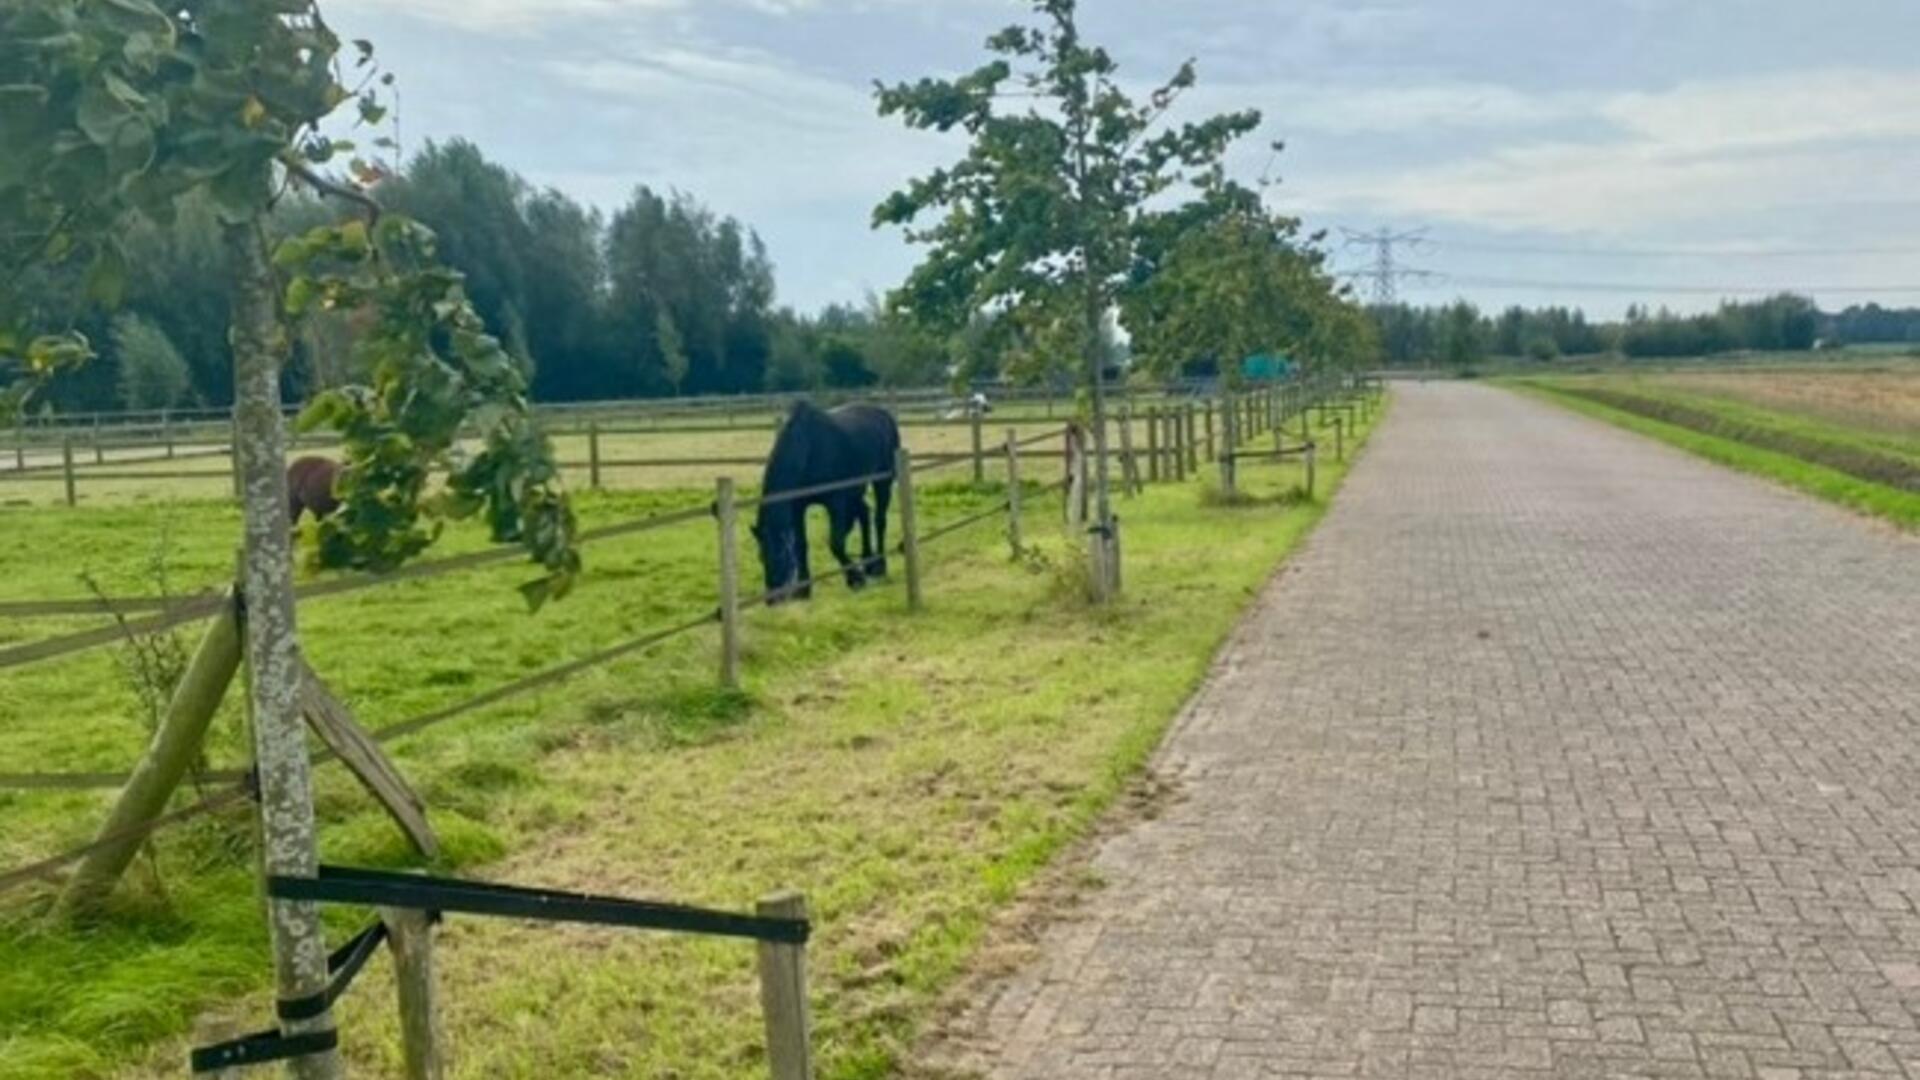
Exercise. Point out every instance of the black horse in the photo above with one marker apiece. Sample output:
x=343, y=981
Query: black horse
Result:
x=815, y=449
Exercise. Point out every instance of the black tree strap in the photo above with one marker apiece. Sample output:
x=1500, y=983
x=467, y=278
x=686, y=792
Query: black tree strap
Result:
x=262, y=1047
x=276, y=1045
x=342, y=966
x=346, y=885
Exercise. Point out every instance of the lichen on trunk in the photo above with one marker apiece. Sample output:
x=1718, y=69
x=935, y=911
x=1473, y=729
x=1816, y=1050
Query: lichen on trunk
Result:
x=288, y=841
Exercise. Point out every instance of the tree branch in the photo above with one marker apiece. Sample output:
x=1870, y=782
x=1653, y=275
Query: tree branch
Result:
x=323, y=186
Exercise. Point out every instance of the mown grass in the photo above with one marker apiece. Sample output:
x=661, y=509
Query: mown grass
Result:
x=1894, y=504
x=908, y=773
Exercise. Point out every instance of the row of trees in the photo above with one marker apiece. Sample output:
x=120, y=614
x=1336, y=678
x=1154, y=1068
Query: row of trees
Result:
x=662, y=297
x=1460, y=333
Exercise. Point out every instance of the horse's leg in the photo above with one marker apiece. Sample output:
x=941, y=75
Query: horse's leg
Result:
x=882, y=496
x=840, y=517
x=803, y=564
x=864, y=516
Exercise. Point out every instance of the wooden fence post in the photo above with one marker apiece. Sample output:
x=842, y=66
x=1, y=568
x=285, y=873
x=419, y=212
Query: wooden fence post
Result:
x=1013, y=493
x=979, y=456
x=1225, y=457
x=1177, y=442
x=1212, y=449
x=1153, y=444
x=66, y=465
x=99, y=451
x=783, y=994
x=1339, y=438
x=166, y=430
x=176, y=746
x=728, y=515
x=1129, y=465
x=410, y=939
x=593, y=453
x=1310, y=450
x=19, y=444
x=1191, y=437
x=909, y=526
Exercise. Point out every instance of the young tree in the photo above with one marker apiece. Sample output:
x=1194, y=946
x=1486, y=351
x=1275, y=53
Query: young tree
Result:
x=111, y=112
x=152, y=373
x=1463, y=338
x=1237, y=286
x=1040, y=225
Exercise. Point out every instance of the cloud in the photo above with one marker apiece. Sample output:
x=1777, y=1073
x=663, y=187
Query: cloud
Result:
x=507, y=16
x=1696, y=150
x=1347, y=110
x=744, y=127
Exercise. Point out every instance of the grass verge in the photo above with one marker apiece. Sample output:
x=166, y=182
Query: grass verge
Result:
x=909, y=774
x=1892, y=504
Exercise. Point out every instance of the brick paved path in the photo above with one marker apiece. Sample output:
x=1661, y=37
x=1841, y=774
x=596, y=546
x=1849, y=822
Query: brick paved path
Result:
x=1556, y=753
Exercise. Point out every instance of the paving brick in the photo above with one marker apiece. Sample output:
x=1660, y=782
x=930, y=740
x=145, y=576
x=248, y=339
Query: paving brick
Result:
x=1555, y=752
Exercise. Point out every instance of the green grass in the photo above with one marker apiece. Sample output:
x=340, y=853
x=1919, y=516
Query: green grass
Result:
x=1733, y=445
x=908, y=773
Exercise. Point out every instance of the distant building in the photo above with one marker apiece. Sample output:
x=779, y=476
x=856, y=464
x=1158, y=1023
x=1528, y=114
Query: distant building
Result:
x=1266, y=367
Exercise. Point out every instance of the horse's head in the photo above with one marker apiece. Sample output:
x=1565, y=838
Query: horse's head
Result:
x=773, y=532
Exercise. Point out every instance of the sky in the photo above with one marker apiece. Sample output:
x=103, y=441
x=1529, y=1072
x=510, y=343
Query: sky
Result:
x=1584, y=152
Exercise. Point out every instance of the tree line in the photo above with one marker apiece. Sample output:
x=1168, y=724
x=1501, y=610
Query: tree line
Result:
x=1461, y=334
x=663, y=296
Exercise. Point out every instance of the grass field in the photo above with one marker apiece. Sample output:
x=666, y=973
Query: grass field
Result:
x=1850, y=435
x=908, y=773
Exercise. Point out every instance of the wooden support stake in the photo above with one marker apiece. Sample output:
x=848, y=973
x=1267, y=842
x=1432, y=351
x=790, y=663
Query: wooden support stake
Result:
x=1309, y=455
x=1013, y=493
x=728, y=515
x=364, y=758
x=422, y=1040
x=166, y=431
x=979, y=455
x=66, y=465
x=1213, y=450
x=99, y=451
x=783, y=994
x=176, y=745
x=593, y=453
x=909, y=526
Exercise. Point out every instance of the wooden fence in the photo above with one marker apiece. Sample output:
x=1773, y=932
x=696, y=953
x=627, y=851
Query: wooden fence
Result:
x=1178, y=438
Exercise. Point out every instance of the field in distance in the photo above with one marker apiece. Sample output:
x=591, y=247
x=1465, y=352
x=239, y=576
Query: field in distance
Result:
x=1848, y=433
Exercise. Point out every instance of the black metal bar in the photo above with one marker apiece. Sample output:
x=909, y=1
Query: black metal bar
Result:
x=347, y=885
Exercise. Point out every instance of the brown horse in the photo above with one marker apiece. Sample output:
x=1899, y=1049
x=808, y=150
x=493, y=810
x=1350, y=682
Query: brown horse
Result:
x=310, y=487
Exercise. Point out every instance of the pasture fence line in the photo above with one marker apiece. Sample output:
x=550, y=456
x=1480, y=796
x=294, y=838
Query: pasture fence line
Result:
x=407, y=905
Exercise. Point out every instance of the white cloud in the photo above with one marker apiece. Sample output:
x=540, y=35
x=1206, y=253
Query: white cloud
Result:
x=1349, y=110
x=496, y=16
x=748, y=131
x=1696, y=150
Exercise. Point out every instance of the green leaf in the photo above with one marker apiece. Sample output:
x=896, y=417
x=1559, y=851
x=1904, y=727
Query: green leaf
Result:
x=107, y=277
x=300, y=295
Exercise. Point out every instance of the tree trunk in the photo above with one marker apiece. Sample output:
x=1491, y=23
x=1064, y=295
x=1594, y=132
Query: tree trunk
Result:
x=1106, y=570
x=273, y=649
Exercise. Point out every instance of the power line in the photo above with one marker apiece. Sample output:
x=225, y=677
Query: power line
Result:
x=1386, y=272
x=1677, y=253
x=1692, y=290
